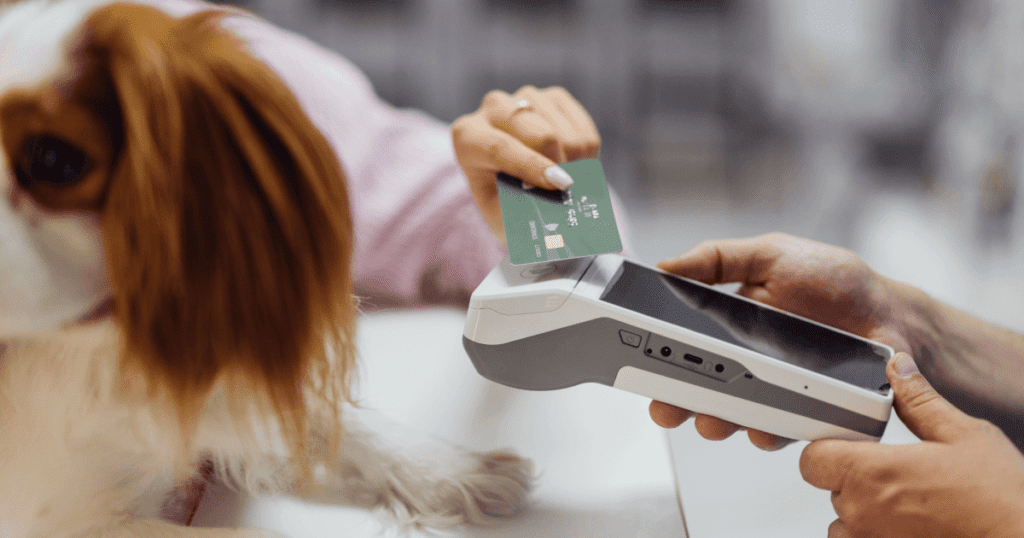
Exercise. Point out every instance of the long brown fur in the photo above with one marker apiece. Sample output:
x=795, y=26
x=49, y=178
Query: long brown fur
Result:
x=225, y=221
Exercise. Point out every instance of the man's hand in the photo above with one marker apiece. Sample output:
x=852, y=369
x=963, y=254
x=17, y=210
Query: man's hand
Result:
x=524, y=135
x=965, y=479
x=810, y=279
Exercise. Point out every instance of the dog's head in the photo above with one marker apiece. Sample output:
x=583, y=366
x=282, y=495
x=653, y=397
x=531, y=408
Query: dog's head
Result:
x=151, y=167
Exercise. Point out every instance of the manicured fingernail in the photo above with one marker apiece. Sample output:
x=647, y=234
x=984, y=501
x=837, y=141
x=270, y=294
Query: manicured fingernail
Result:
x=905, y=366
x=558, y=177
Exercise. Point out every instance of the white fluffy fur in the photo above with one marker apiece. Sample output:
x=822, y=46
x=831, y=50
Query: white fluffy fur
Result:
x=77, y=459
x=84, y=455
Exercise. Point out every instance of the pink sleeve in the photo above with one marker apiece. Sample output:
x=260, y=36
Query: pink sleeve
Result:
x=419, y=236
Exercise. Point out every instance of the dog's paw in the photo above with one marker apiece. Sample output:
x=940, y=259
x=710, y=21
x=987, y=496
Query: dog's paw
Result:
x=500, y=485
x=473, y=488
x=420, y=481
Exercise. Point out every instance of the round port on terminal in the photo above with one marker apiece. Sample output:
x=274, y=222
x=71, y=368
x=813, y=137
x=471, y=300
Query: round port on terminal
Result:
x=666, y=351
x=719, y=368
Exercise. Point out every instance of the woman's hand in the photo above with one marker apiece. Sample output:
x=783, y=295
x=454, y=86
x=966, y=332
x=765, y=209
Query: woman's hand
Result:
x=810, y=279
x=525, y=135
x=965, y=479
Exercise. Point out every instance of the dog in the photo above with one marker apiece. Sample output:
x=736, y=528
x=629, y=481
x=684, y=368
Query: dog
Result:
x=175, y=289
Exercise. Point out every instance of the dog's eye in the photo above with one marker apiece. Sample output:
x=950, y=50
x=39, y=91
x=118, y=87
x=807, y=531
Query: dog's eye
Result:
x=51, y=160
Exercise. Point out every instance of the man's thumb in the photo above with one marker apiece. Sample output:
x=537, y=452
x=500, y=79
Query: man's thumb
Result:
x=925, y=412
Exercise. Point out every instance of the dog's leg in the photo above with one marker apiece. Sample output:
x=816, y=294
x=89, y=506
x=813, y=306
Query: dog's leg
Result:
x=420, y=480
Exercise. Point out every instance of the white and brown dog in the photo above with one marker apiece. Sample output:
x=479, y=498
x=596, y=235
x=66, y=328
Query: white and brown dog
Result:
x=174, y=288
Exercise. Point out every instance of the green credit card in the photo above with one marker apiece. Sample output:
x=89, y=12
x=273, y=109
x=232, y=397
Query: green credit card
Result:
x=543, y=225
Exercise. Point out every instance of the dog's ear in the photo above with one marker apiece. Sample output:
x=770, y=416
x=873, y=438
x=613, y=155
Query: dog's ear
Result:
x=226, y=221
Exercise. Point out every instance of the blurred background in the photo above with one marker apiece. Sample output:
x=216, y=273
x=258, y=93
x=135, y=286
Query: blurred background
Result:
x=890, y=127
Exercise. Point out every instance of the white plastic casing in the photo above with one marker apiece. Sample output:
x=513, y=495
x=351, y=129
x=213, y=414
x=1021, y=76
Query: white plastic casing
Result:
x=524, y=301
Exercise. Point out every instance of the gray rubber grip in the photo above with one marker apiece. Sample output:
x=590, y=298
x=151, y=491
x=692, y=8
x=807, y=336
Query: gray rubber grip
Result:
x=594, y=351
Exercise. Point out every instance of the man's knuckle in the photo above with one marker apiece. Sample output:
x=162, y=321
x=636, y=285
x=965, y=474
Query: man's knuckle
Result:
x=881, y=475
x=857, y=516
x=855, y=524
x=919, y=397
x=888, y=493
x=808, y=461
x=846, y=510
x=838, y=502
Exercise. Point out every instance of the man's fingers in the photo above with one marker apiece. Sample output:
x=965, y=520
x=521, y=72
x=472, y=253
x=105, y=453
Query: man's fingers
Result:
x=925, y=412
x=824, y=464
x=767, y=441
x=714, y=428
x=733, y=260
x=838, y=530
x=668, y=416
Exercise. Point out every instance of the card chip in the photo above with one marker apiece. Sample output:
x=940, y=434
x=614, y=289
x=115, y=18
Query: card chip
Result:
x=554, y=241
